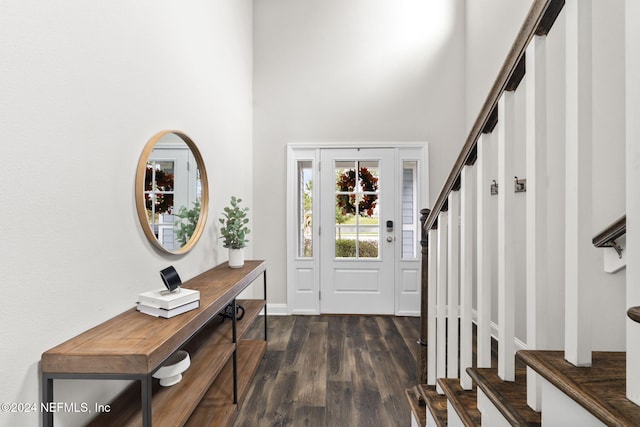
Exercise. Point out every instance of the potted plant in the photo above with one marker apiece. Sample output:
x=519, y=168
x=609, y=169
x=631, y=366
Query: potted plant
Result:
x=234, y=229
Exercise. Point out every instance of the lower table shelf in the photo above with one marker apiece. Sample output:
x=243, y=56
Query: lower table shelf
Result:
x=216, y=409
x=205, y=394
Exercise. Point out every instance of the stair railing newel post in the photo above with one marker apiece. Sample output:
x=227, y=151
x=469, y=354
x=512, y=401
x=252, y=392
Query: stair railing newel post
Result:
x=424, y=296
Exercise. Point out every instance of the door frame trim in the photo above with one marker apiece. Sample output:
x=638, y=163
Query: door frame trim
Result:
x=307, y=302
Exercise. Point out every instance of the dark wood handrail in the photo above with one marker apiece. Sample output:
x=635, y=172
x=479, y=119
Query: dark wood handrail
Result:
x=607, y=237
x=540, y=18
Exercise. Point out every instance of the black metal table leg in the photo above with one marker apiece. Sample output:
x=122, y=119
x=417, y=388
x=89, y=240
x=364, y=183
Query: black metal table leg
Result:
x=235, y=351
x=145, y=385
x=265, y=304
x=47, y=397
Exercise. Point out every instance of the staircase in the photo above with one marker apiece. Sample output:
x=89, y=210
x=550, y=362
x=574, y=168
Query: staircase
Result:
x=527, y=318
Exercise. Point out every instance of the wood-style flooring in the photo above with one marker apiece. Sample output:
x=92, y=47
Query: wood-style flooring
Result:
x=333, y=371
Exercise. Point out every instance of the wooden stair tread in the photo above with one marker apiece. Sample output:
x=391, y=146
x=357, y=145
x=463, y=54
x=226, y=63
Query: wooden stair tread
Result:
x=634, y=314
x=417, y=405
x=465, y=402
x=600, y=389
x=510, y=398
x=437, y=403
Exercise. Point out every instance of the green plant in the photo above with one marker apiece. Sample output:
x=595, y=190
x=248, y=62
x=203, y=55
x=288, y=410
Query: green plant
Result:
x=234, y=225
x=188, y=220
x=346, y=248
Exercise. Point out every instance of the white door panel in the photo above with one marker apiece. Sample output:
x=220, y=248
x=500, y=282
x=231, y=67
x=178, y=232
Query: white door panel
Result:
x=357, y=250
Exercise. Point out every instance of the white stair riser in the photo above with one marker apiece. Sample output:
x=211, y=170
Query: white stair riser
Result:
x=431, y=422
x=414, y=422
x=453, y=420
x=559, y=410
x=491, y=416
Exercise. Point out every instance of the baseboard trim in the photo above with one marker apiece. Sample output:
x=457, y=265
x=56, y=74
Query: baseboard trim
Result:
x=278, y=309
x=408, y=313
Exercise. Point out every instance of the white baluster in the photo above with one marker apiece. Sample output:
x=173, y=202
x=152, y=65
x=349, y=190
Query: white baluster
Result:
x=536, y=218
x=506, y=247
x=441, y=347
x=580, y=255
x=484, y=250
x=432, y=307
x=453, y=283
x=467, y=244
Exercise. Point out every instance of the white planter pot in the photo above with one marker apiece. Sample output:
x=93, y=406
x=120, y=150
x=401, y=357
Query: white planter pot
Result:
x=236, y=258
x=171, y=371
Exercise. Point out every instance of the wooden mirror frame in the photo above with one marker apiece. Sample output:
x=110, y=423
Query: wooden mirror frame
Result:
x=140, y=196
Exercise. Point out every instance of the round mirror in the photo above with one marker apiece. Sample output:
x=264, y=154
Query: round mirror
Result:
x=172, y=194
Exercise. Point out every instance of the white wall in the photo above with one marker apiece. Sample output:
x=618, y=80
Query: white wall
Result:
x=491, y=27
x=85, y=84
x=357, y=71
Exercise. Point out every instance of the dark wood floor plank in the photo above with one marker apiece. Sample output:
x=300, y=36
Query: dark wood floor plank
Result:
x=337, y=352
x=366, y=391
x=333, y=371
x=409, y=331
x=370, y=410
x=354, y=331
x=341, y=408
x=373, y=334
x=265, y=379
x=311, y=367
x=389, y=381
x=298, y=335
x=310, y=416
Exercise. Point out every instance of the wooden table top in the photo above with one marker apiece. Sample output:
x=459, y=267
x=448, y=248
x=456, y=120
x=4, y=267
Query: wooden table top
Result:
x=136, y=343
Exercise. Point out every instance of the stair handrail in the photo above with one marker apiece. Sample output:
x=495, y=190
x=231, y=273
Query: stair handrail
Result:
x=607, y=237
x=539, y=20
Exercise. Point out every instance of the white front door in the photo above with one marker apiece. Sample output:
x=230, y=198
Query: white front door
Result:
x=341, y=256
x=357, y=231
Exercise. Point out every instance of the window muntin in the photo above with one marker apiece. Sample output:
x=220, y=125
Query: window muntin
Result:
x=357, y=222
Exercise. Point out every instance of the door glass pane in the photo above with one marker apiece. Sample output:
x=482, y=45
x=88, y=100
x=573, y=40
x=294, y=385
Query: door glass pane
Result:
x=305, y=208
x=368, y=238
x=409, y=211
x=159, y=188
x=357, y=220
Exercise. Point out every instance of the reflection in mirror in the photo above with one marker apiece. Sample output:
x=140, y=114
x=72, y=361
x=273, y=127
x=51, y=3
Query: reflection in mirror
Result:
x=171, y=192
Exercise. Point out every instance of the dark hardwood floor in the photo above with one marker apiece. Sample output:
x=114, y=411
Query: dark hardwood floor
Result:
x=333, y=371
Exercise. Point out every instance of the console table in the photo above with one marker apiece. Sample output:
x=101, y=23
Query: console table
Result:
x=134, y=345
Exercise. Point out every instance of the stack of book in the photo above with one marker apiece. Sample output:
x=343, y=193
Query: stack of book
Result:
x=160, y=303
